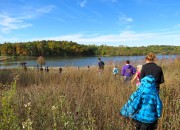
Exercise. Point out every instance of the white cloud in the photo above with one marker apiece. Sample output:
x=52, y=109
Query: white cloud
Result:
x=9, y=23
x=45, y=9
x=8, y=39
x=128, y=38
x=177, y=26
x=125, y=20
x=83, y=3
x=114, y=0
x=60, y=19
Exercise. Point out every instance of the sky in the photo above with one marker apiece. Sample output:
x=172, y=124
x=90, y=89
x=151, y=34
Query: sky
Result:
x=99, y=22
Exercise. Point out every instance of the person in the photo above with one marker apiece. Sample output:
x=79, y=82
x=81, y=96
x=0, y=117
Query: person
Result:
x=115, y=71
x=60, y=70
x=150, y=68
x=144, y=105
x=137, y=76
x=100, y=65
x=41, y=68
x=47, y=69
x=37, y=66
x=127, y=71
x=88, y=67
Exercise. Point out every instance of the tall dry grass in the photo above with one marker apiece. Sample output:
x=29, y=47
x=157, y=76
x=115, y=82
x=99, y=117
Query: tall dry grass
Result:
x=80, y=99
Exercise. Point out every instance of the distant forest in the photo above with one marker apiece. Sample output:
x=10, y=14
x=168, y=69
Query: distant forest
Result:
x=69, y=48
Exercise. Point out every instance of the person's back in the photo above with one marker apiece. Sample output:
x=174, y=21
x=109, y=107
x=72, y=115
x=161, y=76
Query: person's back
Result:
x=150, y=68
x=47, y=69
x=115, y=70
x=60, y=70
x=100, y=65
x=137, y=76
x=41, y=68
x=144, y=105
x=127, y=71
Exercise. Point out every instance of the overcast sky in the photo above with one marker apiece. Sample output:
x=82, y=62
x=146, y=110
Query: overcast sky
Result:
x=110, y=22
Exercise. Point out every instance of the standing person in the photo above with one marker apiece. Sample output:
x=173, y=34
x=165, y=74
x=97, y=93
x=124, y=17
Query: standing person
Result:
x=88, y=67
x=100, y=65
x=127, y=71
x=60, y=70
x=115, y=71
x=37, y=66
x=137, y=76
x=41, y=68
x=47, y=69
x=150, y=68
x=144, y=105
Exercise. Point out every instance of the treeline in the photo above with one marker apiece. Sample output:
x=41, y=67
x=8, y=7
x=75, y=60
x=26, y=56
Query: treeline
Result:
x=66, y=48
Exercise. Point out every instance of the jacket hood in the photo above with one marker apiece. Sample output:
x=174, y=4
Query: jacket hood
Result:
x=148, y=84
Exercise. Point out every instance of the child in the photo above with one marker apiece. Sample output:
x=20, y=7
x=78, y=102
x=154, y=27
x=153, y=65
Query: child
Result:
x=144, y=105
x=137, y=76
x=115, y=71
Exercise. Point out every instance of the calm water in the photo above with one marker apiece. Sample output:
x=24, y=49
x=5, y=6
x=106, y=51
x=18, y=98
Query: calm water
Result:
x=76, y=61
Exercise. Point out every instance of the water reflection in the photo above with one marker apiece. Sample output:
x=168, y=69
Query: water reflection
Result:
x=75, y=61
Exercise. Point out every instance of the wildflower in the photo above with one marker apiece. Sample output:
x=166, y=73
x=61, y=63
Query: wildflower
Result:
x=54, y=108
x=24, y=125
x=66, y=123
x=16, y=78
x=25, y=105
x=27, y=124
x=28, y=104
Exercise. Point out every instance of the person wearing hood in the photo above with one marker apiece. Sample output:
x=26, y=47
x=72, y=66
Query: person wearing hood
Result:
x=128, y=71
x=144, y=105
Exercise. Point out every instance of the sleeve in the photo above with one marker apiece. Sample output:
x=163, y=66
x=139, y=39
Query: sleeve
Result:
x=159, y=107
x=132, y=105
x=99, y=64
x=113, y=70
x=133, y=70
x=162, y=77
x=123, y=71
x=142, y=74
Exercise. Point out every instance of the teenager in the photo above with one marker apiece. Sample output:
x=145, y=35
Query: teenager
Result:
x=151, y=68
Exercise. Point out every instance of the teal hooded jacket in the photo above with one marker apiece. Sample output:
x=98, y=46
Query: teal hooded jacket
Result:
x=144, y=104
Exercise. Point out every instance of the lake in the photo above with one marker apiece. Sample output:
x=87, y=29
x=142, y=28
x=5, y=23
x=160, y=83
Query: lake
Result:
x=75, y=61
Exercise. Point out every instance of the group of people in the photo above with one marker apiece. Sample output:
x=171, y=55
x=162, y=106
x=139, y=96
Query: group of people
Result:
x=144, y=106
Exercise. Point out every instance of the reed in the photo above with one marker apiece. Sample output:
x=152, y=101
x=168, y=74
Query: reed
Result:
x=80, y=99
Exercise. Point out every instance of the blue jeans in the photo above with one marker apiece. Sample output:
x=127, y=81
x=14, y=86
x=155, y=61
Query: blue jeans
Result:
x=127, y=79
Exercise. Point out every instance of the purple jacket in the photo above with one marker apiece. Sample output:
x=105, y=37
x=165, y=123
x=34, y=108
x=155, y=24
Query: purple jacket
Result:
x=128, y=70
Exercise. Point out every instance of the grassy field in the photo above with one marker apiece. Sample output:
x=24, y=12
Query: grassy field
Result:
x=79, y=99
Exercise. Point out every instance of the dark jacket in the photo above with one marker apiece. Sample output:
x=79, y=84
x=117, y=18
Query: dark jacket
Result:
x=101, y=64
x=154, y=70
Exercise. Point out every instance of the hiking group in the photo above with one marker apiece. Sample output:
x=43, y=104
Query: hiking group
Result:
x=144, y=106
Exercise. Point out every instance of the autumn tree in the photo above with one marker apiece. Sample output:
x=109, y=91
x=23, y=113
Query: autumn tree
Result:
x=41, y=60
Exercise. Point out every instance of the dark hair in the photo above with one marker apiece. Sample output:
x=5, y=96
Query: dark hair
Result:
x=99, y=58
x=127, y=61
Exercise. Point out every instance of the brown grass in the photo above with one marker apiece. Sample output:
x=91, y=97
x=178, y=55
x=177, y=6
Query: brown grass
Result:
x=85, y=99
